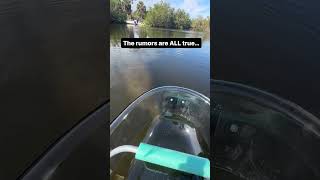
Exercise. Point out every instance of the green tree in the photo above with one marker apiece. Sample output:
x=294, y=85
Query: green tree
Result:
x=141, y=10
x=126, y=5
x=182, y=19
x=201, y=24
x=116, y=12
x=160, y=15
x=119, y=10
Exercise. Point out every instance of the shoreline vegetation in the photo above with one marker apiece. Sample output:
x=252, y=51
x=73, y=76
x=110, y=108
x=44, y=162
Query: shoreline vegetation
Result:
x=160, y=15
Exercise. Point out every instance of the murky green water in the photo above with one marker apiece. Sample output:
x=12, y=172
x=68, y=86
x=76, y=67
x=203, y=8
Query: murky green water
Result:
x=135, y=71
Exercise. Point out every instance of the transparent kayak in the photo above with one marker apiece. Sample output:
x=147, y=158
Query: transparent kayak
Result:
x=260, y=136
x=170, y=117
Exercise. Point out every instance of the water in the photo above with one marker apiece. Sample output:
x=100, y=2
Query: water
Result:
x=134, y=71
x=272, y=45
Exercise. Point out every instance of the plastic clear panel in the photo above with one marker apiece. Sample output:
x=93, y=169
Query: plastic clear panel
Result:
x=260, y=136
x=170, y=117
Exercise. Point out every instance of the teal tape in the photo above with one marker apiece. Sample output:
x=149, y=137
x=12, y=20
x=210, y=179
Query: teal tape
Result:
x=174, y=159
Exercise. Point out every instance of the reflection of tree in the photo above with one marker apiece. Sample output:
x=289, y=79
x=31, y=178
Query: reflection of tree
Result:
x=206, y=36
x=161, y=33
x=118, y=31
x=170, y=33
x=143, y=32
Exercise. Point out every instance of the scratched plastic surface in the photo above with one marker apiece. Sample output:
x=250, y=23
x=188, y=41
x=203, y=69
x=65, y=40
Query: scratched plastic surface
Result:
x=260, y=136
x=169, y=117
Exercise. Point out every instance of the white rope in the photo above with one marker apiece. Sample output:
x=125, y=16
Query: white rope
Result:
x=124, y=148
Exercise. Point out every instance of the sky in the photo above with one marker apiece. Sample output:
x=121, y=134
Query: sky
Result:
x=195, y=8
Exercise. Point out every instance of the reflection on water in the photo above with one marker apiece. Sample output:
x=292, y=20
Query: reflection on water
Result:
x=134, y=71
x=127, y=31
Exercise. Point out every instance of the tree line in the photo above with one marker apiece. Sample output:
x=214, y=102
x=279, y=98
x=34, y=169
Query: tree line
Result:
x=160, y=15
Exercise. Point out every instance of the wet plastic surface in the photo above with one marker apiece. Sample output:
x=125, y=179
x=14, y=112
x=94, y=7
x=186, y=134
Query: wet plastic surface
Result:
x=169, y=117
x=259, y=136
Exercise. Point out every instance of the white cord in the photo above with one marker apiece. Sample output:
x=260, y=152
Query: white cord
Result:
x=124, y=148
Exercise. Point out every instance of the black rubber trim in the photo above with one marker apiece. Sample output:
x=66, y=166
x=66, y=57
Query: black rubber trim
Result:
x=61, y=149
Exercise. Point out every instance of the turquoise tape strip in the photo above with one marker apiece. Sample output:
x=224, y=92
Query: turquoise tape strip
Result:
x=174, y=159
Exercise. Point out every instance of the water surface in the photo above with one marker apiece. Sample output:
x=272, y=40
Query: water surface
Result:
x=135, y=71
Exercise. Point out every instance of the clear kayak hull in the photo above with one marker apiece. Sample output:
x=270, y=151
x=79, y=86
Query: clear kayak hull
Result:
x=261, y=136
x=171, y=117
